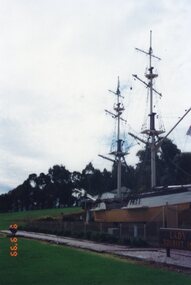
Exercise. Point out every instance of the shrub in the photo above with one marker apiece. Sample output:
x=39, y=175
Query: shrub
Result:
x=95, y=236
x=125, y=241
x=67, y=233
x=138, y=242
x=77, y=234
x=88, y=235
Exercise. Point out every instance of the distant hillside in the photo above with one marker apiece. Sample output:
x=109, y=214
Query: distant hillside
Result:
x=20, y=218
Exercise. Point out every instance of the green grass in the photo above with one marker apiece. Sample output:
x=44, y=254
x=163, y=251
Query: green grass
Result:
x=46, y=264
x=22, y=217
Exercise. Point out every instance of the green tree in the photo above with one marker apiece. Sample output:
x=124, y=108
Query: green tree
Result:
x=167, y=163
x=183, y=168
x=165, y=166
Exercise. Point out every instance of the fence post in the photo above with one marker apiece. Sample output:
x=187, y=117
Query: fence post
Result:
x=168, y=252
x=120, y=231
x=145, y=231
x=167, y=216
x=177, y=224
x=135, y=231
x=85, y=229
x=163, y=216
x=100, y=229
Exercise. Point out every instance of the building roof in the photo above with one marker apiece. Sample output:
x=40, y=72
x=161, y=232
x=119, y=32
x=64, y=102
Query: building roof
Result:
x=107, y=195
x=162, y=200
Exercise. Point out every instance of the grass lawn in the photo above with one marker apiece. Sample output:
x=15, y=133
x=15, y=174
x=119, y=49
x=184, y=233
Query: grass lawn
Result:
x=21, y=217
x=40, y=263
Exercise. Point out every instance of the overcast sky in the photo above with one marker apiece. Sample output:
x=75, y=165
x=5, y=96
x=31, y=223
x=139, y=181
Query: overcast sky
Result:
x=58, y=58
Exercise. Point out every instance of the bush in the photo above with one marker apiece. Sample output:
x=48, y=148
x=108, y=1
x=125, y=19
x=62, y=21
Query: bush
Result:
x=113, y=239
x=95, y=236
x=102, y=237
x=125, y=241
x=138, y=242
x=88, y=235
x=67, y=233
x=78, y=234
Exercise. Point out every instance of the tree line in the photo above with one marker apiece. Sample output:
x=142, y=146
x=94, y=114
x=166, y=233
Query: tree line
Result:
x=54, y=189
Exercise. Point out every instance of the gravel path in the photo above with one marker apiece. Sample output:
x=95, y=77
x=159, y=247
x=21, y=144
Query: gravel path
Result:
x=178, y=258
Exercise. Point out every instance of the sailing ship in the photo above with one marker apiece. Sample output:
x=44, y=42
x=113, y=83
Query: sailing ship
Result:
x=154, y=204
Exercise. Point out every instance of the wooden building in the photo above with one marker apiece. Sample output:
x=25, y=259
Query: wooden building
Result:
x=167, y=208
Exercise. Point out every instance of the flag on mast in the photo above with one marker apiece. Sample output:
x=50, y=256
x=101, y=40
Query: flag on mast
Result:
x=188, y=133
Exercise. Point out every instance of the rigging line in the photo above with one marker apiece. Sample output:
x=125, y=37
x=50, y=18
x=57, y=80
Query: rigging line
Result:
x=144, y=124
x=159, y=114
x=182, y=170
x=175, y=136
x=146, y=154
x=185, y=143
x=113, y=141
x=128, y=102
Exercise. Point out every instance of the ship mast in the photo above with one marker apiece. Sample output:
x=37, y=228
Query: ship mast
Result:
x=118, y=153
x=152, y=133
x=150, y=76
x=118, y=109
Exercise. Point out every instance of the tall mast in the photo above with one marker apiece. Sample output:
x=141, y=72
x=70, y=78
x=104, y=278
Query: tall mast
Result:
x=150, y=76
x=118, y=152
x=151, y=132
x=119, y=109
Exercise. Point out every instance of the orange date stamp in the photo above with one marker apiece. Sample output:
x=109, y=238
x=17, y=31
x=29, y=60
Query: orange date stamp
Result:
x=13, y=240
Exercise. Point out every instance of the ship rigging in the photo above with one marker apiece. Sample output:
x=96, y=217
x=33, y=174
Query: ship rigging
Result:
x=154, y=140
x=119, y=153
